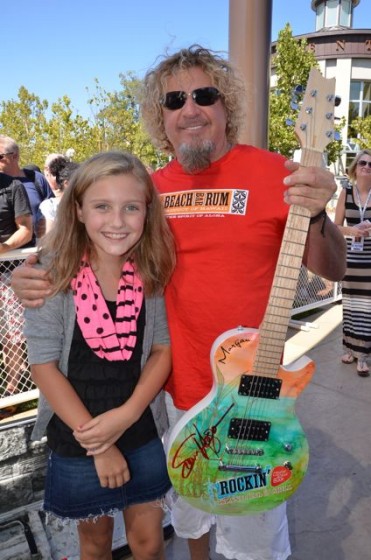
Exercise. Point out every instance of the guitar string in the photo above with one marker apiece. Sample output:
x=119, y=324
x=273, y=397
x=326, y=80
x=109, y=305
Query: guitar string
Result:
x=256, y=387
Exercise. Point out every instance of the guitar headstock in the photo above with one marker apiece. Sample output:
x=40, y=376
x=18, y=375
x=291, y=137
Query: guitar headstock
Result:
x=314, y=126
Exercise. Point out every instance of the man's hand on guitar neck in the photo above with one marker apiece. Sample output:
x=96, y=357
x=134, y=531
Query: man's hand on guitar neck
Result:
x=312, y=188
x=309, y=187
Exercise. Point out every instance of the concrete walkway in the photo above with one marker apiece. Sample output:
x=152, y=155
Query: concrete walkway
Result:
x=330, y=514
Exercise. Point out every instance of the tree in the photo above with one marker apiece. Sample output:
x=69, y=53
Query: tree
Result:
x=361, y=128
x=24, y=120
x=292, y=62
x=65, y=130
x=117, y=122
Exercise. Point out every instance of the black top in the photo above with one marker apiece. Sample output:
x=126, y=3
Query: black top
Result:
x=13, y=203
x=102, y=385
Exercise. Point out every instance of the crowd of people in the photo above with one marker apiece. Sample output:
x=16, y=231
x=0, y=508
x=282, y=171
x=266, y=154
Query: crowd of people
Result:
x=109, y=305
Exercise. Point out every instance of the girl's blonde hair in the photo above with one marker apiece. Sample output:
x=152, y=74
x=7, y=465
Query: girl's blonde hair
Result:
x=353, y=165
x=222, y=75
x=68, y=241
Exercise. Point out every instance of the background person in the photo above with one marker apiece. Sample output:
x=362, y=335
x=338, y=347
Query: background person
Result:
x=61, y=170
x=49, y=175
x=99, y=352
x=354, y=208
x=15, y=232
x=36, y=185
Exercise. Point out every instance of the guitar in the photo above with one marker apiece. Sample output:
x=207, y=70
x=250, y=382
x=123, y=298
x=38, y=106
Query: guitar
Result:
x=242, y=449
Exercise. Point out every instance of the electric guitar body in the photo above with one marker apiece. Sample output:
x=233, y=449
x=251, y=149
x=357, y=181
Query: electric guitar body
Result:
x=242, y=449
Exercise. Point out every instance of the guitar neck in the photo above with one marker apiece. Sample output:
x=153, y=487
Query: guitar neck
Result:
x=273, y=330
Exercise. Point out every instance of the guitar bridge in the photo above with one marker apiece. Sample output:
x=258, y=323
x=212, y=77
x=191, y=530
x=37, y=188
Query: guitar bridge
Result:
x=240, y=468
x=246, y=429
x=243, y=451
x=260, y=387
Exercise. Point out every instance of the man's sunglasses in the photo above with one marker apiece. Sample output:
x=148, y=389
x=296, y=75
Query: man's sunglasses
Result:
x=363, y=163
x=204, y=96
x=2, y=156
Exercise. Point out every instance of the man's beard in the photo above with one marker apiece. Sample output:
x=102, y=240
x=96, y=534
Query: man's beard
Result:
x=196, y=157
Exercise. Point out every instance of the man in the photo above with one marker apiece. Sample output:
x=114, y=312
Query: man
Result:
x=226, y=254
x=36, y=185
x=15, y=232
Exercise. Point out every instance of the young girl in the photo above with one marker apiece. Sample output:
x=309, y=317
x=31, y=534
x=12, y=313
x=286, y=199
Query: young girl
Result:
x=99, y=352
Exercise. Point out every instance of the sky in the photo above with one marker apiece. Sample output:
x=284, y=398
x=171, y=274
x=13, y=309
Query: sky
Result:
x=60, y=47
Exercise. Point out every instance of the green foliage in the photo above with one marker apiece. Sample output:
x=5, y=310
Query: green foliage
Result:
x=361, y=129
x=292, y=63
x=40, y=128
x=24, y=120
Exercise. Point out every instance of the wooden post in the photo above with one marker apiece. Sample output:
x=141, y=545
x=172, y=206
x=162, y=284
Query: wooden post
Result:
x=250, y=23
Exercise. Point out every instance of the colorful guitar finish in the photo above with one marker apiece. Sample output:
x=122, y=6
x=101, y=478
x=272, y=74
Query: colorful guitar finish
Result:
x=242, y=449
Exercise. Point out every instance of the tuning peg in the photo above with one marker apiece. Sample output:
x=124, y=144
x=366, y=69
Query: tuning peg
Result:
x=298, y=89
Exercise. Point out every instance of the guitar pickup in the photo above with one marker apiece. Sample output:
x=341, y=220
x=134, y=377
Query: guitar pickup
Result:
x=246, y=429
x=260, y=387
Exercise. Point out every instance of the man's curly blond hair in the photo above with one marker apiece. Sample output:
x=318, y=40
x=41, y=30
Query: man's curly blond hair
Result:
x=223, y=76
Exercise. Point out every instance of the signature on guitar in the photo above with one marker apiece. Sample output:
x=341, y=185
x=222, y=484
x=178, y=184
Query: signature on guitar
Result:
x=202, y=442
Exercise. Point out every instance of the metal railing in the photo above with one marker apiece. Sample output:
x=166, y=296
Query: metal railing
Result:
x=15, y=382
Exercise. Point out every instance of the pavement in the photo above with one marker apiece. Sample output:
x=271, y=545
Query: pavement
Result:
x=329, y=515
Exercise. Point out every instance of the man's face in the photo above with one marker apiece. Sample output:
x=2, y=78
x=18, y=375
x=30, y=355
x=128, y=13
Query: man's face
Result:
x=193, y=125
x=6, y=161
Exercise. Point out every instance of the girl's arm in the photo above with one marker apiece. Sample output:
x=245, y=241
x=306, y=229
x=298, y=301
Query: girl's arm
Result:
x=100, y=433
x=111, y=466
x=60, y=394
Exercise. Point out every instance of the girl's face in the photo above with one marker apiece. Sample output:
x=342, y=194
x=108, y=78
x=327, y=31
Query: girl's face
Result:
x=113, y=211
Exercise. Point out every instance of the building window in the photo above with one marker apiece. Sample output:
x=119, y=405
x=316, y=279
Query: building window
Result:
x=360, y=98
x=359, y=102
x=333, y=13
x=346, y=13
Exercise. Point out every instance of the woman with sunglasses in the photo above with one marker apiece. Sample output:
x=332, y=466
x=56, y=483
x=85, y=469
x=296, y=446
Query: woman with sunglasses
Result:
x=354, y=208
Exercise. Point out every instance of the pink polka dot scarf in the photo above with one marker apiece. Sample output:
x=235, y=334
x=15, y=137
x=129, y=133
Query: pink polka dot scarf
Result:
x=108, y=339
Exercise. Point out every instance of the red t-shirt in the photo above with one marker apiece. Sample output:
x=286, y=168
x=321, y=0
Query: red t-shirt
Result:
x=228, y=222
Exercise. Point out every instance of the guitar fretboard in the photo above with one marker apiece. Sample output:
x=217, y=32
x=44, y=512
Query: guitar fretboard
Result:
x=273, y=330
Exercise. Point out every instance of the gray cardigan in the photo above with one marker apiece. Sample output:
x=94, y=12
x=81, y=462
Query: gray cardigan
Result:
x=49, y=329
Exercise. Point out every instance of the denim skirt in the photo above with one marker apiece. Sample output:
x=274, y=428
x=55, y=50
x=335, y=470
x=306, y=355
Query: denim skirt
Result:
x=73, y=491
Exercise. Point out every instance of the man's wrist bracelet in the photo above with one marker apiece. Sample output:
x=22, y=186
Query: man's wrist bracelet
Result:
x=321, y=216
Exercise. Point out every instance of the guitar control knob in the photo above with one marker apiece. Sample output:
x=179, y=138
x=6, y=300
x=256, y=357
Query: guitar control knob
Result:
x=287, y=447
x=288, y=465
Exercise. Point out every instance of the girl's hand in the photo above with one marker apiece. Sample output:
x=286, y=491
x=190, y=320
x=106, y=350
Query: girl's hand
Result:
x=100, y=433
x=112, y=468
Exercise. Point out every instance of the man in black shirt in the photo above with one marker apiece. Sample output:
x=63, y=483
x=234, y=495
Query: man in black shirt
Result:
x=15, y=232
